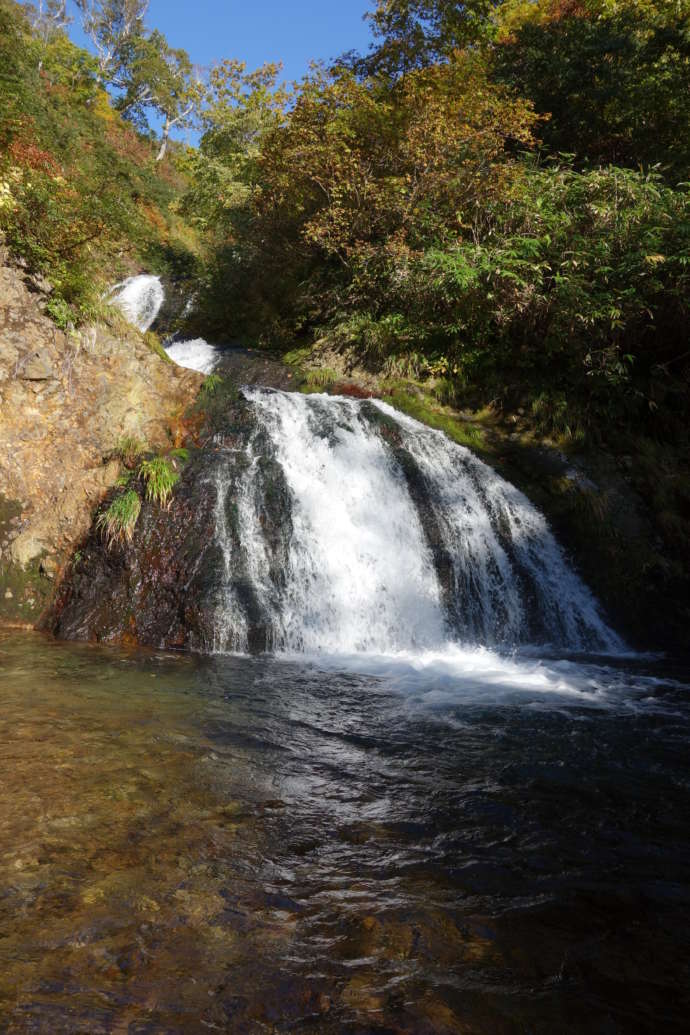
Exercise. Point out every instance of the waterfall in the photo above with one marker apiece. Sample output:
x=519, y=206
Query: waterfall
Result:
x=140, y=299
x=345, y=526
x=196, y=354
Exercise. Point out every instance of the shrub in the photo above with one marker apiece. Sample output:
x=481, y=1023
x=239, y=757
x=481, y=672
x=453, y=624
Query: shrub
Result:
x=179, y=453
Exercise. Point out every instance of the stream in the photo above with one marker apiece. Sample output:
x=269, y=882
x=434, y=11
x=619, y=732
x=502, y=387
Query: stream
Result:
x=401, y=844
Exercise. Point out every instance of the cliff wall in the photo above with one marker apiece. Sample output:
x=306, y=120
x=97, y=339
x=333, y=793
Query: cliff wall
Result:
x=66, y=399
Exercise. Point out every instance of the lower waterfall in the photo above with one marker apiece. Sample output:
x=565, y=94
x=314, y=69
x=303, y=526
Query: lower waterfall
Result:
x=345, y=526
x=196, y=354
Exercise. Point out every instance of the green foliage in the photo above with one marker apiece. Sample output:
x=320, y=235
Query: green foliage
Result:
x=118, y=522
x=61, y=313
x=158, y=77
x=412, y=33
x=179, y=453
x=211, y=385
x=614, y=77
x=579, y=290
x=160, y=478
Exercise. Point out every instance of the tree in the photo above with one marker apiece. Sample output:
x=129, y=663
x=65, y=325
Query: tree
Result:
x=414, y=33
x=112, y=26
x=160, y=77
x=47, y=18
x=613, y=77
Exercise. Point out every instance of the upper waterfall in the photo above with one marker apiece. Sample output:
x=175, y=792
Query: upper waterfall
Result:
x=345, y=526
x=140, y=299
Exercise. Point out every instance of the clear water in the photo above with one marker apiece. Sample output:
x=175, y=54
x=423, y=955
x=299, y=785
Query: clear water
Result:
x=366, y=845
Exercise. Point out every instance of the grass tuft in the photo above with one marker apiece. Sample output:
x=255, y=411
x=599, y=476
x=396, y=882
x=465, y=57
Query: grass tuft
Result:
x=320, y=377
x=211, y=385
x=118, y=522
x=160, y=478
x=129, y=449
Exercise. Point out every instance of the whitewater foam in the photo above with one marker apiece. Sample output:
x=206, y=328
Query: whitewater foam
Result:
x=392, y=539
x=140, y=299
x=195, y=354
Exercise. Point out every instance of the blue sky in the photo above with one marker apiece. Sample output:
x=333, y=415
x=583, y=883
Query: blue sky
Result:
x=291, y=31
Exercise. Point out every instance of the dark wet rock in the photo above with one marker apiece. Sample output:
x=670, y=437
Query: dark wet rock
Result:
x=151, y=591
x=258, y=367
x=165, y=587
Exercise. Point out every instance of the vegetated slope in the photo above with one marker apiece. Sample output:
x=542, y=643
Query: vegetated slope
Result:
x=82, y=199
x=416, y=208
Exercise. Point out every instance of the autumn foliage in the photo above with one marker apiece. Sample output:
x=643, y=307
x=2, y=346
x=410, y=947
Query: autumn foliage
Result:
x=79, y=199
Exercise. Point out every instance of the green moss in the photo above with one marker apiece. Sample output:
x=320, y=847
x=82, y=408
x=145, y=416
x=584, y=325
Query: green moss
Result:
x=296, y=357
x=154, y=343
x=24, y=592
x=425, y=409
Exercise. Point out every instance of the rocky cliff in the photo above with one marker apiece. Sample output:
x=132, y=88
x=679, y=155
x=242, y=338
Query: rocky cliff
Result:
x=65, y=401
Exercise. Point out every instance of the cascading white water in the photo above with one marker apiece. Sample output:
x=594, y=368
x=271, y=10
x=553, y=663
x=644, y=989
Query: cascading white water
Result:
x=502, y=554
x=196, y=354
x=140, y=299
x=392, y=539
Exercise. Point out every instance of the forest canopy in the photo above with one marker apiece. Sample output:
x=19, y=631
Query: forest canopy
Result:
x=495, y=193
x=493, y=198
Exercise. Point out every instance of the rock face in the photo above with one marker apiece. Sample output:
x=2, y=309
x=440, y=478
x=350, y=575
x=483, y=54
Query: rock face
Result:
x=166, y=586
x=158, y=590
x=151, y=591
x=65, y=401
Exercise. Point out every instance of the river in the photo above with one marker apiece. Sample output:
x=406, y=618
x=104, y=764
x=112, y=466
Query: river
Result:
x=376, y=845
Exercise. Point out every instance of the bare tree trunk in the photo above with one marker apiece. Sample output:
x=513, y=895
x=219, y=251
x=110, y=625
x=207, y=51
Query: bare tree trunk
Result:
x=164, y=142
